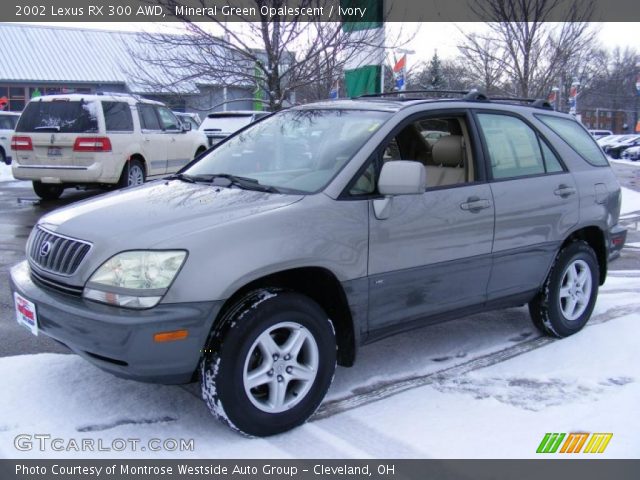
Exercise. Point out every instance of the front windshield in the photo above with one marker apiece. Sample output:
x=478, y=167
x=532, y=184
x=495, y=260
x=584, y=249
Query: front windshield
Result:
x=295, y=150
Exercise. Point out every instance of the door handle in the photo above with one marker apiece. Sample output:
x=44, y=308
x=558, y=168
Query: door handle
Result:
x=475, y=204
x=147, y=140
x=564, y=191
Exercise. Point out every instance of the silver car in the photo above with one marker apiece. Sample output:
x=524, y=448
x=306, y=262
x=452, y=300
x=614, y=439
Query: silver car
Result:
x=319, y=229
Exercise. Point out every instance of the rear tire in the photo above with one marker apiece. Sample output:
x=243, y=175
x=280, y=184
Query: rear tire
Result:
x=565, y=303
x=133, y=174
x=48, y=191
x=269, y=363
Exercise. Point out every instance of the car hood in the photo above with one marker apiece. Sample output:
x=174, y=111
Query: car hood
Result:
x=158, y=211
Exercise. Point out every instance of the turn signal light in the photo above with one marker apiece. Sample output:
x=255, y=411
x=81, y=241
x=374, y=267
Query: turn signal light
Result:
x=170, y=336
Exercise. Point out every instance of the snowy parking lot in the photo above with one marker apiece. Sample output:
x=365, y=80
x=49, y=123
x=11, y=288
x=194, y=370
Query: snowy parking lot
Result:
x=484, y=386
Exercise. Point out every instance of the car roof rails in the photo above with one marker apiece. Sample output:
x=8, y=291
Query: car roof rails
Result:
x=473, y=95
x=532, y=102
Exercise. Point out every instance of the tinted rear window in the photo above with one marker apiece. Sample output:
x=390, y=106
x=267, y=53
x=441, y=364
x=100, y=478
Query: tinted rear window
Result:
x=117, y=117
x=577, y=138
x=63, y=116
x=148, y=118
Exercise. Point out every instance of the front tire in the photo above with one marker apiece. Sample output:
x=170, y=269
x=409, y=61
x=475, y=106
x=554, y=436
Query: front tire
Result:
x=48, y=191
x=565, y=303
x=270, y=362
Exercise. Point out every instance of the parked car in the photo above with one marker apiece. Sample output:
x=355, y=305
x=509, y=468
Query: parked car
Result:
x=600, y=133
x=62, y=141
x=219, y=125
x=8, y=122
x=632, y=153
x=192, y=119
x=613, y=141
x=608, y=140
x=317, y=230
x=616, y=149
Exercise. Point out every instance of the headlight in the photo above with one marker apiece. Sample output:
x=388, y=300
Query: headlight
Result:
x=135, y=279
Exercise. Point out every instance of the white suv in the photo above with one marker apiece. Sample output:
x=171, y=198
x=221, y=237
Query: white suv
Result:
x=104, y=139
x=8, y=122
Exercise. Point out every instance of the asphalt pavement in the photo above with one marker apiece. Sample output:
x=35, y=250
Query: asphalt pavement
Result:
x=20, y=209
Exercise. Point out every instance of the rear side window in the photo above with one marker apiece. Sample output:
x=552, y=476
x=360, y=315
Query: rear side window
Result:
x=148, y=118
x=8, y=122
x=577, y=137
x=117, y=117
x=63, y=116
x=512, y=145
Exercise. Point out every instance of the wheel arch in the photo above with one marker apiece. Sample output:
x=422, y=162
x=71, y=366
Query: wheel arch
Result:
x=140, y=157
x=594, y=236
x=322, y=286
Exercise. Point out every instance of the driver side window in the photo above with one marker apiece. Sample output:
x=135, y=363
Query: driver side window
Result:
x=441, y=144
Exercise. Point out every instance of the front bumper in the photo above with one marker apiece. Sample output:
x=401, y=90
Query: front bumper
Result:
x=120, y=340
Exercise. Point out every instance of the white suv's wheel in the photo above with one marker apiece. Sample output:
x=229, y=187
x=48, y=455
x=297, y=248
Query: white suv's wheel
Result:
x=269, y=364
x=566, y=301
x=132, y=174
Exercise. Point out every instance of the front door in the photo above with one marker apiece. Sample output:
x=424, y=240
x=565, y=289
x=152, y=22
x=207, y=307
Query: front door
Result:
x=432, y=253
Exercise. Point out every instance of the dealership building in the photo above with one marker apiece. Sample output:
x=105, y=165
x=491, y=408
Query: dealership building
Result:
x=44, y=60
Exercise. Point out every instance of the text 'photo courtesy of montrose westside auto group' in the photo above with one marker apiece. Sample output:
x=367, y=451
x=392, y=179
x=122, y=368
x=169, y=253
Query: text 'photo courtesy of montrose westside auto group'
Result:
x=318, y=239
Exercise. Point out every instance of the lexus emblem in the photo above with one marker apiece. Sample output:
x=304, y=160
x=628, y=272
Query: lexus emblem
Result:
x=53, y=138
x=45, y=249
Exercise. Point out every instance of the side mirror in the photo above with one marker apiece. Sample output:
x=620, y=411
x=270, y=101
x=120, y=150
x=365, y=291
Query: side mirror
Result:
x=186, y=127
x=402, y=177
x=399, y=177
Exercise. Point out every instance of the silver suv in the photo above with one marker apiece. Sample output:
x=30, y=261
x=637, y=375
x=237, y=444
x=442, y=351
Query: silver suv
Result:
x=320, y=229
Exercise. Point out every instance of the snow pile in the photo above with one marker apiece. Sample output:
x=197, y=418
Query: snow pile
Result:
x=585, y=383
x=5, y=173
x=630, y=201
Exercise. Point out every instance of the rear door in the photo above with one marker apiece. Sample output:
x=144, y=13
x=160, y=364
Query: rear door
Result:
x=154, y=141
x=536, y=203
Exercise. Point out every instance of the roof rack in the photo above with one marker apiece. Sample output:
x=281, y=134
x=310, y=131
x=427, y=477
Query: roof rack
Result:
x=472, y=95
x=534, y=102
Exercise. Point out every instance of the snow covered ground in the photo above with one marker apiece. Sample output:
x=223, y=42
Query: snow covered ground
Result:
x=5, y=173
x=586, y=383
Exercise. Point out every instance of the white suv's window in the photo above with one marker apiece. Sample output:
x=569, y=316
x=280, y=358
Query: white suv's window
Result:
x=117, y=117
x=168, y=120
x=8, y=122
x=148, y=118
x=63, y=115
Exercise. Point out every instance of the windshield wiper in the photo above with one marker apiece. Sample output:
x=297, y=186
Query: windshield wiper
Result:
x=181, y=176
x=242, y=182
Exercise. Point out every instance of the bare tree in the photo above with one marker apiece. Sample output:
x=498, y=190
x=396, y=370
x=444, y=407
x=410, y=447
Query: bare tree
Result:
x=276, y=55
x=525, y=47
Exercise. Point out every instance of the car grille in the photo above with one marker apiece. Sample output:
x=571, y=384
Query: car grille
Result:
x=55, y=285
x=56, y=253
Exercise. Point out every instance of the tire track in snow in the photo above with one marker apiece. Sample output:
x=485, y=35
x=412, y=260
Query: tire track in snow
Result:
x=381, y=390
